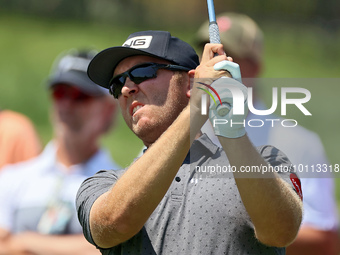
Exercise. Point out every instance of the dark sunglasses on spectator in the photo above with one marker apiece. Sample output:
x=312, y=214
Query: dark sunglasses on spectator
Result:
x=138, y=74
x=60, y=92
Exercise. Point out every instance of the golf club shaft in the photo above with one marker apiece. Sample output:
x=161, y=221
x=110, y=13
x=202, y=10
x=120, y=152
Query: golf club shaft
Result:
x=214, y=34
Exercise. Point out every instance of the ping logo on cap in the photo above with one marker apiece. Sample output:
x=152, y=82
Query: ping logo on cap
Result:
x=139, y=42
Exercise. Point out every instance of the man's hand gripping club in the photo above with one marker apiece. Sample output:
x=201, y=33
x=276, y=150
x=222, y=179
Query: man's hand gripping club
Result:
x=228, y=118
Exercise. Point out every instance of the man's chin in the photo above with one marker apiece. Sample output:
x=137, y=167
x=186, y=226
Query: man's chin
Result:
x=147, y=133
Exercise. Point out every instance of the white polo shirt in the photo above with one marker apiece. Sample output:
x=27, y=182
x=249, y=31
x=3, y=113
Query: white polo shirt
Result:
x=39, y=194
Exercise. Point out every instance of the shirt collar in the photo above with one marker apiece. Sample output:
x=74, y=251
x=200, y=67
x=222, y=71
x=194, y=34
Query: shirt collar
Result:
x=99, y=161
x=202, y=145
x=204, y=142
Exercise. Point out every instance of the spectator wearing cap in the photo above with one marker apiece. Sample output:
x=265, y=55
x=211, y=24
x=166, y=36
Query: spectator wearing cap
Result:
x=37, y=197
x=243, y=40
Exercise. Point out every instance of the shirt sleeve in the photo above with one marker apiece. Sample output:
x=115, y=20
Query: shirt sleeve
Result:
x=305, y=150
x=89, y=191
x=280, y=164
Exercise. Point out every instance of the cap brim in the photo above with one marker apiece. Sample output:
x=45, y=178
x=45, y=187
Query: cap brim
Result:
x=79, y=81
x=102, y=66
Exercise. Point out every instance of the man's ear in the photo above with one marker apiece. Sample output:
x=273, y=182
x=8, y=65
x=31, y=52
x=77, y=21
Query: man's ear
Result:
x=190, y=82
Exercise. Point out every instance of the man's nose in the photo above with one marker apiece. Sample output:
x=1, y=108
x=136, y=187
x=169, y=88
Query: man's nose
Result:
x=129, y=88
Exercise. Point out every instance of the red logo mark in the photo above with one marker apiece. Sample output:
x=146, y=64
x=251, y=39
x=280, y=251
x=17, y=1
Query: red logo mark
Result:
x=297, y=184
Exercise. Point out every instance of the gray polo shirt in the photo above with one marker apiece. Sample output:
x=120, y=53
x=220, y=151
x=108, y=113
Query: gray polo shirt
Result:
x=201, y=213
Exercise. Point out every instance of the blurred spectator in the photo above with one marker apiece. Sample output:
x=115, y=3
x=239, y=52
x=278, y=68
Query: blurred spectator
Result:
x=243, y=41
x=37, y=197
x=18, y=138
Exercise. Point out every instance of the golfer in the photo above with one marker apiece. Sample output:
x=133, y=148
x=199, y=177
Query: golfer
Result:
x=160, y=204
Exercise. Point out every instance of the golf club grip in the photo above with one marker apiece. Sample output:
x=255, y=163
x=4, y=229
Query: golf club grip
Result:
x=214, y=33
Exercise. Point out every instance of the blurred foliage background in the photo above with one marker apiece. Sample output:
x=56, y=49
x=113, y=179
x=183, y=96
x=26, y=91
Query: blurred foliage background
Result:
x=301, y=40
x=176, y=12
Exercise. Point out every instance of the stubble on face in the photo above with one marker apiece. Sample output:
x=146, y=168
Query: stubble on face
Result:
x=165, y=109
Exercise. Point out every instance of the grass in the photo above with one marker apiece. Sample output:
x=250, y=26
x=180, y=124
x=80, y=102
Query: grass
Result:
x=28, y=49
x=29, y=45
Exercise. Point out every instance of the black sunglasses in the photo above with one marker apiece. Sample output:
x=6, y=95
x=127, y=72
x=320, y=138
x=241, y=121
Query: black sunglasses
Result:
x=138, y=74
